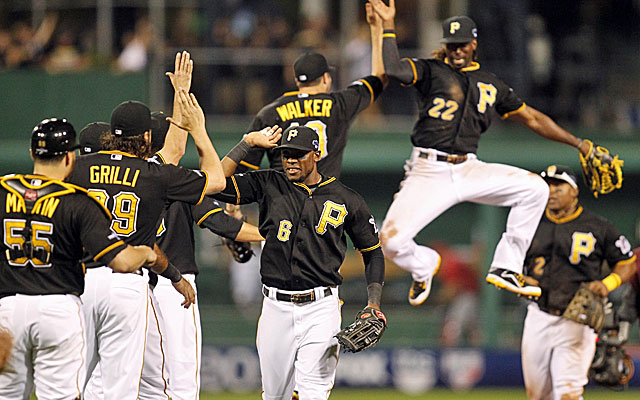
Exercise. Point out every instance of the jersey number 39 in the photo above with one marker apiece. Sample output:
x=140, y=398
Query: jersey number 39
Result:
x=125, y=210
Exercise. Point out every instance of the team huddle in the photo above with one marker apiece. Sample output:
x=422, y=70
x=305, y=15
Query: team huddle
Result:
x=98, y=272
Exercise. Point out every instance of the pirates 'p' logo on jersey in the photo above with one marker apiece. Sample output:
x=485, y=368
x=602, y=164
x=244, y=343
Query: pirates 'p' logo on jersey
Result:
x=332, y=214
x=582, y=244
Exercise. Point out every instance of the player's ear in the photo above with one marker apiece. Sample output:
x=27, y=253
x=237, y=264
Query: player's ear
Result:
x=316, y=156
x=474, y=44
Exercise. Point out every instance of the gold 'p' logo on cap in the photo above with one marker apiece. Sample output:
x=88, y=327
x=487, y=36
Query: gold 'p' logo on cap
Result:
x=454, y=27
x=292, y=133
x=551, y=171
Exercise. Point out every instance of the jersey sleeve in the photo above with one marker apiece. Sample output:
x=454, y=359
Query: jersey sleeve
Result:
x=93, y=227
x=361, y=226
x=210, y=214
x=358, y=96
x=243, y=188
x=186, y=185
x=508, y=101
x=617, y=247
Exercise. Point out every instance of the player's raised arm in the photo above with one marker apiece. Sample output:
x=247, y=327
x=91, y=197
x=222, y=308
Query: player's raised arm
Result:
x=267, y=138
x=192, y=120
x=375, y=25
x=176, y=140
x=401, y=70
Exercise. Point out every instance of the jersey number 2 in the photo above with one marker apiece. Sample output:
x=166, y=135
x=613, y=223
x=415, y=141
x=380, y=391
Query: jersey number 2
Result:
x=125, y=210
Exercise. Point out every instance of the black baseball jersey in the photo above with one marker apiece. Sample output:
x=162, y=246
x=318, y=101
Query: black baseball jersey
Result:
x=304, y=227
x=136, y=191
x=175, y=232
x=329, y=114
x=456, y=107
x=46, y=225
x=569, y=251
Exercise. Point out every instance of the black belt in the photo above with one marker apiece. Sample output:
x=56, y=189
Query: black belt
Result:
x=450, y=158
x=297, y=298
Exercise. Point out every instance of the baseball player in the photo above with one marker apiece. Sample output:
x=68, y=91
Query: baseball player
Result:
x=47, y=224
x=568, y=248
x=457, y=101
x=304, y=217
x=136, y=191
x=314, y=105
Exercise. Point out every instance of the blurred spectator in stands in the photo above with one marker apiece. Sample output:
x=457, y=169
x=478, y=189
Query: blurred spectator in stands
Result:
x=27, y=45
x=5, y=44
x=65, y=55
x=134, y=56
x=458, y=281
x=541, y=61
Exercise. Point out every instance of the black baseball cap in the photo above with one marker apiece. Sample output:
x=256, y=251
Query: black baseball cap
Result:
x=459, y=29
x=131, y=118
x=91, y=137
x=53, y=137
x=159, y=129
x=310, y=66
x=299, y=138
x=561, y=173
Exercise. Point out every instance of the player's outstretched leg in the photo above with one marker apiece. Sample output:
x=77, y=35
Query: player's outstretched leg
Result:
x=512, y=281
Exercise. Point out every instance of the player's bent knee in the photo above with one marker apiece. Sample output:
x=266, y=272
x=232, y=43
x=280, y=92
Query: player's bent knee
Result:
x=390, y=244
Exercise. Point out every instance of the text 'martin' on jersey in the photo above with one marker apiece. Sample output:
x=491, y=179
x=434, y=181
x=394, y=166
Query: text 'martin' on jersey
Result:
x=136, y=191
x=62, y=221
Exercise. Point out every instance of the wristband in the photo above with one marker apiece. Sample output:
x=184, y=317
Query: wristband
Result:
x=239, y=152
x=612, y=281
x=390, y=33
x=172, y=273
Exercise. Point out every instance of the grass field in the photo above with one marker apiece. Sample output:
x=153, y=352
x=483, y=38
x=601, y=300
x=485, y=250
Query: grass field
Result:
x=436, y=394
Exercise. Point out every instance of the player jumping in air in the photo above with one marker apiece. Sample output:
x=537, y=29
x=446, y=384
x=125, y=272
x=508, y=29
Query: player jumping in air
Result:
x=457, y=102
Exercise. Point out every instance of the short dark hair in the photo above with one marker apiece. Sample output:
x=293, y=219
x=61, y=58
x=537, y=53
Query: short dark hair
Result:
x=135, y=145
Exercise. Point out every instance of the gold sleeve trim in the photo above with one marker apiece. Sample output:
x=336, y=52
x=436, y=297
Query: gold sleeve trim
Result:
x=201, y=220
x=204, y=190
x=510, y=113
x=161, y=158
x=246, y=164
x=370, y=248
x=415, y=72
x=388, y=35
x=368, y=87
x=108, y=249
x=235, y=186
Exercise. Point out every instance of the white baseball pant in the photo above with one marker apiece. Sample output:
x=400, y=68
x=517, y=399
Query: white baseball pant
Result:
x=297, y=347
x=431, y=187
x=154, y=378
x=183, y=339
x=115, y=314
x=48, y=347
x=556, y=355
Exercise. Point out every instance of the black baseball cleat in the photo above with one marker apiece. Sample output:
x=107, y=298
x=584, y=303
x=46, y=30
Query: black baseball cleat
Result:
x=513, y=282
x=419, y=291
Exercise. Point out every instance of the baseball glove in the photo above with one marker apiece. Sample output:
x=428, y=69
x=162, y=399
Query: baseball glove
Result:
x=602, y=173
x=364, y=332
x=241, y=251
x=586, y=308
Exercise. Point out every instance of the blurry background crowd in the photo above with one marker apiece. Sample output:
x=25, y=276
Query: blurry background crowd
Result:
x=575, y=60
